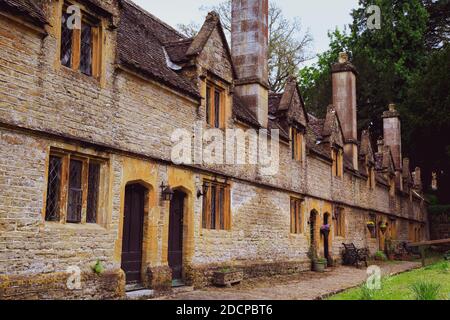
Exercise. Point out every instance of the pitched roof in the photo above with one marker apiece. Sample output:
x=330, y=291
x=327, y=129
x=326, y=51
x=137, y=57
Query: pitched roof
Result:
x=32, y=10
x=314, y=137
x=140, y=46
x=177, y=50
x=242, y=113
x=274, y=102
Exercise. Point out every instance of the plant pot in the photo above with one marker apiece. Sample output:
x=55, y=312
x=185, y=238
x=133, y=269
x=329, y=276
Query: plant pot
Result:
x=228, y=278
x=319, y=266
x=383, y=229
x=371, y=227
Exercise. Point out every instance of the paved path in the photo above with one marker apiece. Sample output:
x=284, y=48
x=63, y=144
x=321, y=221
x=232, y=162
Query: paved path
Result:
x=304, y=286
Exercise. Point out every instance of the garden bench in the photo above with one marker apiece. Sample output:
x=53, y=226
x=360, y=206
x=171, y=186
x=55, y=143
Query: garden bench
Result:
x=352, y=256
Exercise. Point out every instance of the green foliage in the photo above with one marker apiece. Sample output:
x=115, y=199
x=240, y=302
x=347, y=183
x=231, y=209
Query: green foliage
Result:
x=439, y=209
x=316, y=80
x=98, y=268
x=398, y=287
x=380, y=255
x=366, y=293
x=405, y=62
x=424, y=290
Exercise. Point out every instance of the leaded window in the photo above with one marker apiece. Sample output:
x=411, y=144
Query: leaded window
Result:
x=216, y=206
x=80, y=42
x=73, y=190
x=53, y=189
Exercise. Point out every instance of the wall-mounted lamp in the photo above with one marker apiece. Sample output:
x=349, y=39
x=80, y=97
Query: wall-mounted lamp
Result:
x=166, y=192
x=203, y=191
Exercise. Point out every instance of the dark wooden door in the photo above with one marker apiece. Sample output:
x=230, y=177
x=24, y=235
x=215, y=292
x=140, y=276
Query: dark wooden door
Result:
x=176, y=235
x=133, y=227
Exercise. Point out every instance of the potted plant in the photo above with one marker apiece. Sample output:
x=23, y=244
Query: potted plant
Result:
x=227, y=277
x=325, y=229
x=371, y=226
x=319, y=265
x=380, y=256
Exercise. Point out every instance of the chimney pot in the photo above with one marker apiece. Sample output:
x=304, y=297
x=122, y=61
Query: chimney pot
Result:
x=343, y=57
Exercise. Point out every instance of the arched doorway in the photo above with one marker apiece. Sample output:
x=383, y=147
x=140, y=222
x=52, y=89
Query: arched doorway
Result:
x=133, y=231
x=175, y=249
x=326, y=238
x=312, y=234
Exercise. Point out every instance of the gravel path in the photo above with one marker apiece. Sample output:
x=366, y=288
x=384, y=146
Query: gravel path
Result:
x=304, y=286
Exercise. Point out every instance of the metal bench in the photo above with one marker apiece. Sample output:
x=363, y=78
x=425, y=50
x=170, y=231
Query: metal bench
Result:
x=353, y=256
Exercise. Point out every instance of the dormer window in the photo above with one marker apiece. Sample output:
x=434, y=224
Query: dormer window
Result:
x=215, y=111
x=80, y=40
x=297, y=144
x=337, y=154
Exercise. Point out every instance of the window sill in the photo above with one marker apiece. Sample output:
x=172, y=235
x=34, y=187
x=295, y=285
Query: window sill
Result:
x=214, y=232
x=73, y=226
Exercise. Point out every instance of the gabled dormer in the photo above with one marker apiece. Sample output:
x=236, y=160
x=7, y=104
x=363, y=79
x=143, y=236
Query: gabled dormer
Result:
x=367, y=158
x=333, y=138
x=206, y=60
x=288, y=109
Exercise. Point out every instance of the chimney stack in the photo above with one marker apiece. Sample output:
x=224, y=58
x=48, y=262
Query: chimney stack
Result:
x=249, y=48
x=417, y=179
x=393, y=135
x=344, y=100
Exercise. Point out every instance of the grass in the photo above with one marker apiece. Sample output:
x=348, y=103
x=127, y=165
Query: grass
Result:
x=429, y=283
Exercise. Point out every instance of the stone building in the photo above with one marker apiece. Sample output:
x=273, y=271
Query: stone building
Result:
x=91, y=92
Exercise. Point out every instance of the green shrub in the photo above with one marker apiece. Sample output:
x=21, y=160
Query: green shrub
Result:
x=380, y=255
x=424, y=290
x=366, y=293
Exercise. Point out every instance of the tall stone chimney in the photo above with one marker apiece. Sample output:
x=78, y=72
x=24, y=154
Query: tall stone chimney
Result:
x=417, y=177
x=344, y=99
x=249, y=47
x=393, y=134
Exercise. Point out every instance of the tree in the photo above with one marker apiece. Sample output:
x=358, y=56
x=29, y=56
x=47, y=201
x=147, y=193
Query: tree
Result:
x=288, y=43
x=387, y=59
x=426, y=118
x=315, y=81
x=438, y=31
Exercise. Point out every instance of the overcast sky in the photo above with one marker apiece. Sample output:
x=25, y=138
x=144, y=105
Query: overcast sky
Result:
x=318, y=16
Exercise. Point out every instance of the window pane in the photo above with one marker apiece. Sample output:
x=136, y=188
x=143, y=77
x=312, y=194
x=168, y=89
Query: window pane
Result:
x=294, y=135
x=66, y=42
x=75, y=192
x=217, y=109
x=213, y=207
x=222, y=208
x=93, y=186
x=208, y=105
x=53, y=189
x=86, y=49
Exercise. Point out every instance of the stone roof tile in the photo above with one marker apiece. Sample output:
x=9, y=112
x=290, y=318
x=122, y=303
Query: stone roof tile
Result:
x=140, y=46
x=30, y=9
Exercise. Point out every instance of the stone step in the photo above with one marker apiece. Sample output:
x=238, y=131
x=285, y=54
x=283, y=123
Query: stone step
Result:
x=182, y=289
x=140, y=294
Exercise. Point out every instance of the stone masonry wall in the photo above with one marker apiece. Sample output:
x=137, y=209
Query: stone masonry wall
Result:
x=123, y=111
